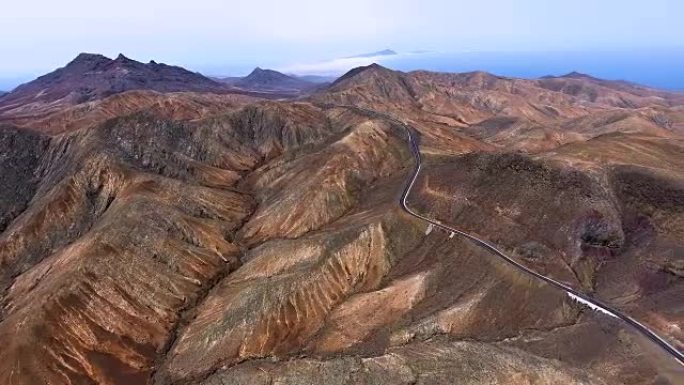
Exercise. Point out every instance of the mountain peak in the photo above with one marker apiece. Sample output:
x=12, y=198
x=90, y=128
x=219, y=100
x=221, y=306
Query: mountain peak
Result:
x=260, y=74
x=85, y=57
x=370, y=67
x=266, y=79
x=577, y=75
x=374, y=67
x=93, y=76
x=124, y=60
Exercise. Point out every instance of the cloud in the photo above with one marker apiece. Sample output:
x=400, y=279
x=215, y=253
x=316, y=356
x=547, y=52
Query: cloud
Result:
x=337, y=66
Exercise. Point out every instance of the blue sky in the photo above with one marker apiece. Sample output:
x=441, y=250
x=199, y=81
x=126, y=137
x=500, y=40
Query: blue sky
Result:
x=230, y=37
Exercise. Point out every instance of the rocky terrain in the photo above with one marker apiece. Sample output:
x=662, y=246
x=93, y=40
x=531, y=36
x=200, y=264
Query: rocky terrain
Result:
x=168, y=105
x=187, y=236
x=90, y=77
x=85, y=83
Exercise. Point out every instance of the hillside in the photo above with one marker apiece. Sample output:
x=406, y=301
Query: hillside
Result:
x=529, y=115
x=194, y=237
x=92, y=77
x=612, y=92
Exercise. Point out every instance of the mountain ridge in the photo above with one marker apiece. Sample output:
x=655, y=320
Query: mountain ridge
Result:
x=93, y=76
x=580, y=88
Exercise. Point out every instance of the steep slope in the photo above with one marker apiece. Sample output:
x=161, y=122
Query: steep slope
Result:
x=21, y=151
x=91, y=77
x=531, y=115
x=372, y=86
x=598, y=215
x=176, y=106
x=135, y=205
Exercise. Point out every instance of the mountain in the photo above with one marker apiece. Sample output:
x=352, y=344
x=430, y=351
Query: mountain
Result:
x=471, y=99
x=270, y=80
x=90, y=77
x=507, y=113
x=267, y=81
x=373, y=86
x=615, y=92
x=577, y=90
x=203, y=238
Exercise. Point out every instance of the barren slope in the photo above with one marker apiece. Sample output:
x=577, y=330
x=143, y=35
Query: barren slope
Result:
x=192, y=238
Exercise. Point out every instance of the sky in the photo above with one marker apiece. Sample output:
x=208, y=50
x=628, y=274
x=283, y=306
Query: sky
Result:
x=230, y=37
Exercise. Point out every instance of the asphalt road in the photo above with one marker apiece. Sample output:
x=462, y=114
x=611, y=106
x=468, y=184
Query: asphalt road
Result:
x=588, y=300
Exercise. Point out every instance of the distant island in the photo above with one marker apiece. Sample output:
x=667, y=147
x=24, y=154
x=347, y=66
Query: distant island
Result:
x=384, y=52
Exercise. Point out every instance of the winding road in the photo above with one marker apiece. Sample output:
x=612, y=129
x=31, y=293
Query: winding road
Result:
x=576, y=295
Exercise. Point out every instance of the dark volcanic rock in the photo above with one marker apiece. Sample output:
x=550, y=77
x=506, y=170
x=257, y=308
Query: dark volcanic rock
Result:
x=91, y=76
x=20, y=152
